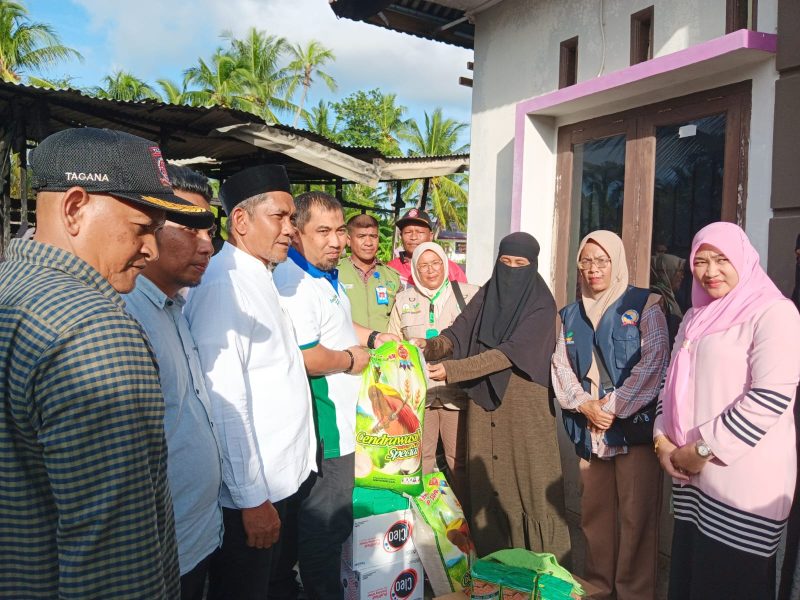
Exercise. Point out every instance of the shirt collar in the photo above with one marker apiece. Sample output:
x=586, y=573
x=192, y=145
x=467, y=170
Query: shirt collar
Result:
x=375, y=264
x=153, y=293
x=332, y=275
x=52, y=257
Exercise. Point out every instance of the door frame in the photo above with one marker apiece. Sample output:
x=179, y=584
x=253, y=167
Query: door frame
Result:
x=639, y=126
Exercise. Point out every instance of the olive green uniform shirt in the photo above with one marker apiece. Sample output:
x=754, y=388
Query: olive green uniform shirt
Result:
x=371, y=294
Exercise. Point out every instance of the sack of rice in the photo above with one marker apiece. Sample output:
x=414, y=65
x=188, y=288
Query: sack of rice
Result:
x=389, y=420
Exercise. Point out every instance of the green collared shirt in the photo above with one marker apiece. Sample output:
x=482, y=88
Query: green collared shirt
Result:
x=371, y=294
x=85, y=508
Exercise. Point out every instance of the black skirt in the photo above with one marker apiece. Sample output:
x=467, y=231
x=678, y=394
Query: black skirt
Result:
x=704, y=569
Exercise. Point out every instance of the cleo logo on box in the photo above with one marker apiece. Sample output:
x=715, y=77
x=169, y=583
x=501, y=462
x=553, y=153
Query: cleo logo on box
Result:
x=404, y=585
x=396, y=536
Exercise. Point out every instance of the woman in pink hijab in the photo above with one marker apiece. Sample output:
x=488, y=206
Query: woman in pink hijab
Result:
x=725, y=428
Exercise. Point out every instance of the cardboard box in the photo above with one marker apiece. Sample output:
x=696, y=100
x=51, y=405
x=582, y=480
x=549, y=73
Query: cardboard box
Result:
x=380, y=540
x=401, y=580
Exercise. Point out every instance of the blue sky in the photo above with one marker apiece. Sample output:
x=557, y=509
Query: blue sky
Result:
x=159, y=39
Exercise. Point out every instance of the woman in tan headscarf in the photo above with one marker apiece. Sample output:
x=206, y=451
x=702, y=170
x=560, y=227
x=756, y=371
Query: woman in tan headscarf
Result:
x=422, y=311
x=610, y=358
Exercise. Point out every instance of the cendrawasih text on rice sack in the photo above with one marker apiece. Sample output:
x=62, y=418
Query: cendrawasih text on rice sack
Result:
x=389, y=420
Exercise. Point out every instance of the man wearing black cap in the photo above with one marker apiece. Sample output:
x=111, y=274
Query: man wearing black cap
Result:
x=415, y=228
x=193, y=468
x=85, y=509
x=257, y=386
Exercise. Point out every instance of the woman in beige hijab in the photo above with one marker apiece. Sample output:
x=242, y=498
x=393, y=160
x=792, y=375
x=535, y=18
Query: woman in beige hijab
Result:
x=422, y=311
x=610, y=358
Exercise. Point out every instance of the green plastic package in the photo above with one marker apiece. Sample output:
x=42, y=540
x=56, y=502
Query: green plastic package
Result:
x=368, y=502
x=442, y=537
x=389, y=419
x=496, y=581
x=505, y=572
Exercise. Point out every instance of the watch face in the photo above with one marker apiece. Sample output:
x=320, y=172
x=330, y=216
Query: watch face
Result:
x=703, y=450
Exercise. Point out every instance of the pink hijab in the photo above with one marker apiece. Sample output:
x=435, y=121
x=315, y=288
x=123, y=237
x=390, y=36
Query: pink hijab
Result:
x=754, y=292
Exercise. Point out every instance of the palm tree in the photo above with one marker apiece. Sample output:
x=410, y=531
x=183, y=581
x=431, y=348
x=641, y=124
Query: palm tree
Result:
x=61, y=83
x=25, y=45
x=121, y=85
x=448, y=194
x=221, y=81
x=258, y=56
x=318, y=121
x=171, y=93
x=391, y=124
x=305, y=65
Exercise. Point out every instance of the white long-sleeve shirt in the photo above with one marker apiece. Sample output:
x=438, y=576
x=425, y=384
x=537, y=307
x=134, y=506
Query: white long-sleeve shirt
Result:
x=256, y=380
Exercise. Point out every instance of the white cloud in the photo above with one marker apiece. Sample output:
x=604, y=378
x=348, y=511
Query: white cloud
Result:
x=153, y=39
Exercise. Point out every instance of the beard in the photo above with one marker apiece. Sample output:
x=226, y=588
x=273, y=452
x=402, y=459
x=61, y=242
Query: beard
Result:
x=327, y=265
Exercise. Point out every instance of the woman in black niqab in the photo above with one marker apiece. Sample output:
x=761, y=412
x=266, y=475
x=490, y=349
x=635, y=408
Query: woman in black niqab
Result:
x=512, y=309
x=499, y=350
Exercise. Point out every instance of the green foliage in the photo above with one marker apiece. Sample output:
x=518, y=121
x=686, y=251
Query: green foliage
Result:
x=371, y=118
x=171, y=93
x=61, y=83
x=264, y=75
x=447, y=195
x=318, y=120
x=264, y=82
x=25, y=45
x=122, y=85
x=306, y=64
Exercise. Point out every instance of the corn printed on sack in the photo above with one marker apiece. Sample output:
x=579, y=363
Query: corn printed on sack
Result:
x=391, y=408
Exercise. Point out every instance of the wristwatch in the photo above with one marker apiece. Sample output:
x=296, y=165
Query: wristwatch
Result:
x=371, y=339
x=703, y=450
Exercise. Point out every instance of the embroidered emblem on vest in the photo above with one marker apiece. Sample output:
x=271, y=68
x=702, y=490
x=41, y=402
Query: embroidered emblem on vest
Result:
x=630, y=317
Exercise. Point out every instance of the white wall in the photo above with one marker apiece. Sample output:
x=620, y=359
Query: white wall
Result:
x=516, y=58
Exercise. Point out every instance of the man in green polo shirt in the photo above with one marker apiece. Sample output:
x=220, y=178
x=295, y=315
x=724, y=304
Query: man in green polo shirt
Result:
x=371, y=286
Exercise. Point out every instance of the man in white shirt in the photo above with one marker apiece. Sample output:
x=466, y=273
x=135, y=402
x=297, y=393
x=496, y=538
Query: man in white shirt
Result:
x=256, y=380
x=333, y=352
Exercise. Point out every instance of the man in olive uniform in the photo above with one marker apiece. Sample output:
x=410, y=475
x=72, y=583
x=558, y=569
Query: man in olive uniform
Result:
x=370, y=285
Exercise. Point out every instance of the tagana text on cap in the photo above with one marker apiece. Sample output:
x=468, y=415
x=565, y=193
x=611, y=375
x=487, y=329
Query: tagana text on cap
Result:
x=415, y=217
x=112, y=162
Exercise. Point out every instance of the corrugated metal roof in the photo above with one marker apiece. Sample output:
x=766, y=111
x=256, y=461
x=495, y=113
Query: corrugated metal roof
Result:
x=182, y=131
x=429, y=20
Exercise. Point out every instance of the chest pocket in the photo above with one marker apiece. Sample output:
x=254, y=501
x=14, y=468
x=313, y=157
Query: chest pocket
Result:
x=627, y=347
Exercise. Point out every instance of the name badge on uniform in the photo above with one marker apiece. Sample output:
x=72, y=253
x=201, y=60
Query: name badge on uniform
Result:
x=382, y=295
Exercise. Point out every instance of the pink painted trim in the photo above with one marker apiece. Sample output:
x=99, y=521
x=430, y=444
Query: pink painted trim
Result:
x=737, y=40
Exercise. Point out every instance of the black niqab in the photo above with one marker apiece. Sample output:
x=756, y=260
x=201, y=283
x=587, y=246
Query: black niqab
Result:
x=514, y=312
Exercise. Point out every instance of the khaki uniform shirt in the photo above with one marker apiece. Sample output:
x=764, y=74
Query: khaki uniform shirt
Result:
x=410, y=318
x=371, y=294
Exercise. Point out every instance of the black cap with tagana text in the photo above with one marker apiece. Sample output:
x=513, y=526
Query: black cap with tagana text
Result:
x=415, y=217
x=116, y=163
x=252, y=182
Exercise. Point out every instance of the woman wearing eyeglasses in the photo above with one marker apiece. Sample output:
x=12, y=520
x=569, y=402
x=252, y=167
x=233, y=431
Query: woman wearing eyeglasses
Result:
x=422, y=311
x=725, y=430
x=499, y=351
x=610, y=358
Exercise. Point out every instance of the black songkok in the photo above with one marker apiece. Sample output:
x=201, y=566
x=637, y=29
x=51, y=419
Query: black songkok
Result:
x=252, y=182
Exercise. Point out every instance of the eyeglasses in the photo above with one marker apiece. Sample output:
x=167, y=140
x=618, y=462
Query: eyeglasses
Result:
x=586, y=263
x=430, y=267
